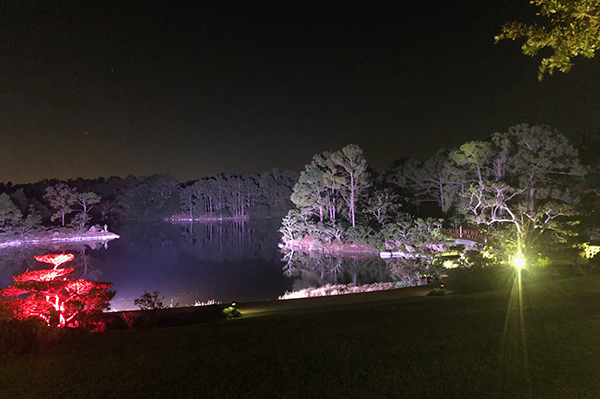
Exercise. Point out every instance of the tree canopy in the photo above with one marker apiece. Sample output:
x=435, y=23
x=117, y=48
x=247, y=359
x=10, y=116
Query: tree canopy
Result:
x=570, y=28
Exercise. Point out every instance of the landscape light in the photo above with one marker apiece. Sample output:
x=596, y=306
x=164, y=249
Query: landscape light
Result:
x=519, y=261
x=448, y=264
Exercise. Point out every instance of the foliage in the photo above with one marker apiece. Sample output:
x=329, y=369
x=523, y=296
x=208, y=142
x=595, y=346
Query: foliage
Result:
x=347, y=173
x=328, y=232
x=310, y=194
x=86, y=201
x=524, y=179
x=10, y=215
x=231, y=313
x=383, y=205
x=294, y=225
x=570, y=28
x=235, y=195
x=20, y=337
x=431, y=180
x=407, y=270
x=330, y=180
x=363, y=235
x=132, y=319
x=150, y=301
x=53, y=298
x=62, y=198
x=421, y=235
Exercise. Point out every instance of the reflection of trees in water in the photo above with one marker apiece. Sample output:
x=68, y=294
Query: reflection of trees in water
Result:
x=17, y=260
x=230, y=240
x=218, y=241
x=14, y=261
x=84, y=264
x=316, y=270
x=411, y=270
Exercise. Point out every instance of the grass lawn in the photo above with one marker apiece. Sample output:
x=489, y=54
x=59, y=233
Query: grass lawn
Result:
x=364, y=346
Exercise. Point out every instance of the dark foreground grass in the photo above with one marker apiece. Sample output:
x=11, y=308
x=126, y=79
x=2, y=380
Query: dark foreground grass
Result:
x=462, y=346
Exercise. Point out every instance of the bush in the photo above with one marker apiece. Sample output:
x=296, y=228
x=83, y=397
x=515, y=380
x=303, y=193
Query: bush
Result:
x=231, y=313
x=149, y=301
x=402, y=284
x=20, y=337
x=362, y=235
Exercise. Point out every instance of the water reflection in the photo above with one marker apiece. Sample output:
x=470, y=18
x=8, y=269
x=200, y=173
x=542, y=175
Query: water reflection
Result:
x=199, y=262
x=316, y=269
x=221, y=241
x=196, y=262
x=16, y=260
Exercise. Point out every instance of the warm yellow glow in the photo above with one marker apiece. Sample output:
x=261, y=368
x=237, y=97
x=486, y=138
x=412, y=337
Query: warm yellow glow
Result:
x=449, y=264
x=487, y=254
x=519, y=261
x=590, y=250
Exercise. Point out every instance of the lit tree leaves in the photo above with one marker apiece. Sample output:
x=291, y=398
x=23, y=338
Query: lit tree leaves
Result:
x=532, y=194
x=570, y=28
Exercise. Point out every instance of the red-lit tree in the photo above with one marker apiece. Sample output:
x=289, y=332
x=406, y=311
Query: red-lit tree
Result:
x=54, y=298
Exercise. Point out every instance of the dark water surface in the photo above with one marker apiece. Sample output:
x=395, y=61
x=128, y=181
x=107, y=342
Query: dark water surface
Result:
x=224, y=261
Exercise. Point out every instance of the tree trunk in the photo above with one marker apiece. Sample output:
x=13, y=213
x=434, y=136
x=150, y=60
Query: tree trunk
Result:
x=352, y=199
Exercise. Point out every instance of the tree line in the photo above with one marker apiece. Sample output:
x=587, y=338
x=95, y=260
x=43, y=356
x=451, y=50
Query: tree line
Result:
x=524, y=189
x=77, y=203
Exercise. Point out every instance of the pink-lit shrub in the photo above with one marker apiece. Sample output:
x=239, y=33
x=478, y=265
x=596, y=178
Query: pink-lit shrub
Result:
x=49, y=295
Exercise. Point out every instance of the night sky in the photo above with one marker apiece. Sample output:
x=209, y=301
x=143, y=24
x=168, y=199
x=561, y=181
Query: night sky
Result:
x=194, y=88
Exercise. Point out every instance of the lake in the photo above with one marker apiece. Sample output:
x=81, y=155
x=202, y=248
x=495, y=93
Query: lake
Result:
x=198, y=262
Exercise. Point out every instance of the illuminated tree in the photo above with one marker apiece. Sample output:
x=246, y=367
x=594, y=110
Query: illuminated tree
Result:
x=311, y=195
x=433, y=180
x=86, y=201
x=49, y=295
x=383, y=205
x=531, y=189
x=348, y=174
x=62, y=198
x=10, y=215
x=570, y=28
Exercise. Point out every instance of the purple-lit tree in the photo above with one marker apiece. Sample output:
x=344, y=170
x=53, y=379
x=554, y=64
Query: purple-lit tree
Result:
x=85, y=201
x=311, y=195
x=348, y=174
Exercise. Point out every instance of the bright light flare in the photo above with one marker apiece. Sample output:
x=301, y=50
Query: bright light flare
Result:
x=519, y=261
x=448, y=264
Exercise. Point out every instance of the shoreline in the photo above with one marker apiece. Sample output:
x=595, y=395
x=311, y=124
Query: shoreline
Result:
x=309, y=244
x=207, y=219
x=56, y=237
